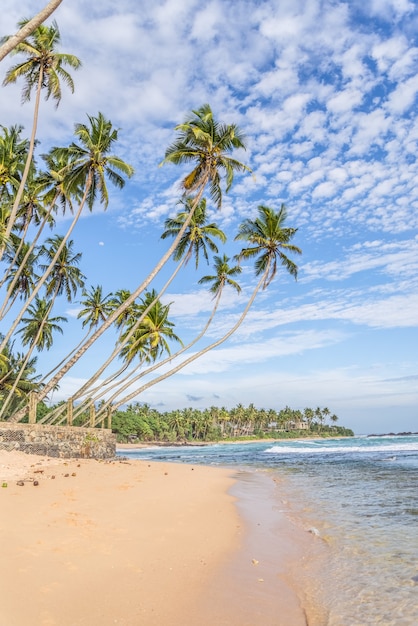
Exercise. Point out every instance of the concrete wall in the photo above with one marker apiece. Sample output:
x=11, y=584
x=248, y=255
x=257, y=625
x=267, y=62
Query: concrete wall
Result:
x=58, y=441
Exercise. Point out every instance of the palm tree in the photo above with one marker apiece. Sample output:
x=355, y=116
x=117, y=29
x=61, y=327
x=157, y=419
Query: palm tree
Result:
x=153, y=333
x=268, y=238
x=13, y=151
x=269, y=241
x=89, y=163
x=206, y=144
x=43, y=68
x=11, y=366
x=64, y=277
x=39, y=326
x=211, y=156
x=96, y=309
x=96, y=306
x=148, y=341
x=220, y=282
x=194, y=240
x=198, y=237
x=37, y=333
x=223, y=276
x=22, y=276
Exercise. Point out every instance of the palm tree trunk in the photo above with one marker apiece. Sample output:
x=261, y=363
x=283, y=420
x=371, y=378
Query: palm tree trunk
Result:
x=16, y=417
x=120, y=345
x=26, y=30
x=41, y=282
x=152, y=368
x=192, y=358
x=13, y=213
x=22, y=265
x=52, y=383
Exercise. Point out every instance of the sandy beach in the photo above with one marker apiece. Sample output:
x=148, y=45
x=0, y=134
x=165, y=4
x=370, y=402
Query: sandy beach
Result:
x=135, y=543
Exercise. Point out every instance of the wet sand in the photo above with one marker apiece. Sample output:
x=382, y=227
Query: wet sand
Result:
x=136, y=543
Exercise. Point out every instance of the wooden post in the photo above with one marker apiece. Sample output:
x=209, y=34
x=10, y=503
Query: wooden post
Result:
x=92, y=415
x=70, y=412
x=33, y=401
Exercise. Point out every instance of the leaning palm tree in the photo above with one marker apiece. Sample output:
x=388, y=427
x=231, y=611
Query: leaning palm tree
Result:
x=37, y=333
x=208, y=145
x=154, y=333
x=199, y=235
x=149, y=341
x=39, y=326
x=96, y=308
x=11, y=368
x=65, y=276
x=222, y=278
x=13, y=151
x=196, y=239
x=42, y=69
x=90, y=164
x=268, y=240
x=21, y=277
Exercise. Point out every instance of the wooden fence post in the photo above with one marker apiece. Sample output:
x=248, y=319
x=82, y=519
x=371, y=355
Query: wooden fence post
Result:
x=70, y=412
x=92, y=415
x=33, y=402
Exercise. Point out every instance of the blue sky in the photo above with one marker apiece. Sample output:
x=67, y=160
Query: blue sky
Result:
x=326, y=93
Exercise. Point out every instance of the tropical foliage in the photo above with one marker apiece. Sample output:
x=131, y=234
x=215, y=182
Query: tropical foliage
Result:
x=41, y=268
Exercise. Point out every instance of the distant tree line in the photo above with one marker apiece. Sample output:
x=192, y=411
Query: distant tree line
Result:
x=139, y=422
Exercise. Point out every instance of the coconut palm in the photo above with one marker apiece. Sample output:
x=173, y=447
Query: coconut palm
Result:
x=149, y=340
x=194, y=240
x=153, y=334
x=220, y=280
x=37, y=333
x=13, y=151
x=39, y=327
x=89, y=164
x=65, y=277
x=223, y=276
x=268, y=246
x=22, y=276
x=269, y=241
x=96, y=306
x=211, y=156
x=207, y=144
x=42, y=69
x=198, y=236
x=11, y=366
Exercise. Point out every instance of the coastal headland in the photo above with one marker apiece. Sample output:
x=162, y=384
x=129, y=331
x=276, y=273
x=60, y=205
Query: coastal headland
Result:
x=135, y=543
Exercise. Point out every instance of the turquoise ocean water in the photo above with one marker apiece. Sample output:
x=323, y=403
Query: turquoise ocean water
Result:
x=360, y=497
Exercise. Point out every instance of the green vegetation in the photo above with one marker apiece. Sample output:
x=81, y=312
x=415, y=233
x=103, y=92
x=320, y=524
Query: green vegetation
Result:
x=40, y=270
x=140, y=423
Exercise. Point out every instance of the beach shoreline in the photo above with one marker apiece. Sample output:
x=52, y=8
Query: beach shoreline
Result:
x=141, y=543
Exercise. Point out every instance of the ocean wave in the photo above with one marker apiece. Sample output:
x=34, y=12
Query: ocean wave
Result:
x=309, y=449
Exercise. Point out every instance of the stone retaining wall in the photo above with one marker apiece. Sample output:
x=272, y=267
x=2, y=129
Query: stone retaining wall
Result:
x=58, y=441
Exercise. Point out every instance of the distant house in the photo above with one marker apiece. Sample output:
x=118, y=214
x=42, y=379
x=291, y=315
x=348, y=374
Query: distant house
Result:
x=299, y=426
